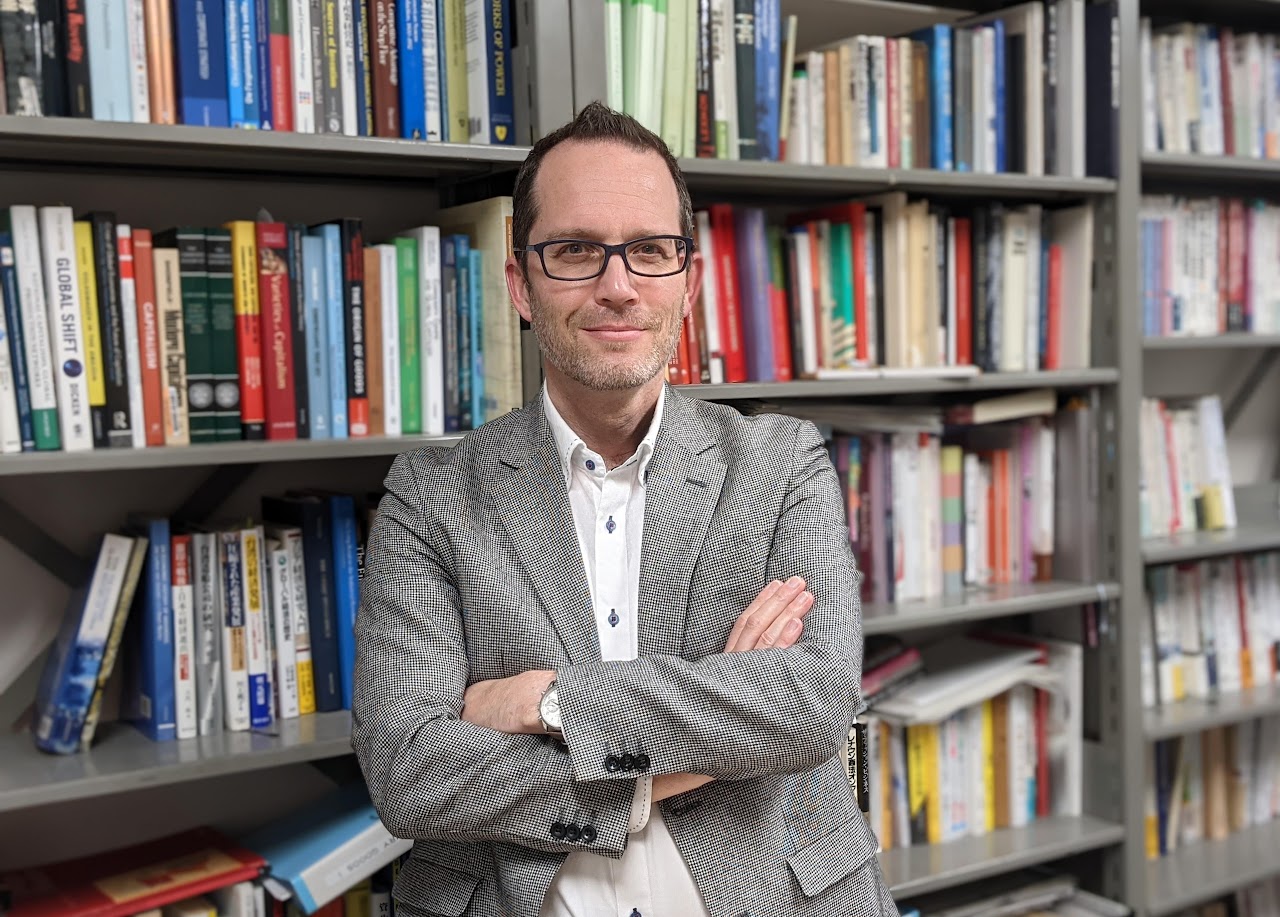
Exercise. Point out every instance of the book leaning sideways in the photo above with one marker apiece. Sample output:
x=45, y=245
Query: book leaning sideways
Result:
x=132, y=879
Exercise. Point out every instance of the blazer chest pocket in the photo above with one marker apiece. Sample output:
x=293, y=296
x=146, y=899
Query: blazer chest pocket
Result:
x=428, y=888
x=826, y=861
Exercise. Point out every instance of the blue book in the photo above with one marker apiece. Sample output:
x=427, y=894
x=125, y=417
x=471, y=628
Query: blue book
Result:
x=462, y=267
x=247, y=30
x=106, y=32
x=200, y=38
x=335, y=325
x=235, y=69
x=413, y=102
x=16, y=341
x=72, y=669
x=753, y=286
x=502, y=104
x=475, y=293
x=346, y=543
x=153, y=700
x=999, y=116
x=449, y=334
x=313, y=271
x=364, y=70
x=937, y=39
x=339, y=834
x=768, y=76
x=262, y=62
x=444, y=70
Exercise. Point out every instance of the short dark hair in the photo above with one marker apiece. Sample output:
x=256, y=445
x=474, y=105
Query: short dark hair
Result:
x=595, y=123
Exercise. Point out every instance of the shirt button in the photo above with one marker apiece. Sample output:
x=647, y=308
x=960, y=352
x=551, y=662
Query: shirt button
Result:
x=591, y=466
x=635, y=912
x=610, y=525
x=613, y=617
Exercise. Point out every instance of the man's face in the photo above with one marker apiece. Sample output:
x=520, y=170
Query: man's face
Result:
x=619, y=330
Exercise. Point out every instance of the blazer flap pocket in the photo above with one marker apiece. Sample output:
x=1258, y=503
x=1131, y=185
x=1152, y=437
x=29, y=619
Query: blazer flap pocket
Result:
x=434, y=888
x=829, y=859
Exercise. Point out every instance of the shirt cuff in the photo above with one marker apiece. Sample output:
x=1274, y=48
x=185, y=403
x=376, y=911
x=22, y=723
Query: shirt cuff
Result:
x=641, y=804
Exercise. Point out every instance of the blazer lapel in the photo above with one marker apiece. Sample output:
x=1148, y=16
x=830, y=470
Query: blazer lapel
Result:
x=682, y=488
x=529, y=499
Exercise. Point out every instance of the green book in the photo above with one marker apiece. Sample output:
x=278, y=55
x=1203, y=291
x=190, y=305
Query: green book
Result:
x=197, y=334
x=222, y=307
x=842, y=295
x=410, y=349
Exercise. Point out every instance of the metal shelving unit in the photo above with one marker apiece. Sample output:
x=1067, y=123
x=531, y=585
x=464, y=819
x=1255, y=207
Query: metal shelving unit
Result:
x=1222, y=170
x=982, y=603
x=1188, y=716
x=1200, y=872
x=1174, y=549
x=1231, y=341
x=879, y=384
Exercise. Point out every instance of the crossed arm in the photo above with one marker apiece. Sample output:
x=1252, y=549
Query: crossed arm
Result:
x=445, y=761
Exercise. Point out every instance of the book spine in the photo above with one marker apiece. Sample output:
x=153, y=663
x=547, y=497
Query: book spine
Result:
x=301, y=622
x=454, y=69
x=35, y=326
x=374, y=345
x=431, y=330
x=200, y=30
x=20, y=43
x=111, y=324
x=224, y=361
x=296, y=232
x=330, y=67
x=275, y=311
x=238, y=94
x=393, y=402
x=255, y=610
x=412, y=57
x=124, y=602
x=156, y=714
x=148, y=338
x=449, y=334
x=303, y=67
x=280, y=55
x=66, y=328
x=94, y=372
x=256, y=64
x=335, y=323
x=15, y=343
x=350, y=86
x=132, y=353
x=317, y=361
x=285, y=668
x=385, y=60
x=109, y=71
x=364, y=68
x=10, y=430
x=173, y=358
x=206, y=581
x=475, y=296
x=248, y=330
x=744, y=43
x=345, y=546
x=183, y=592
x=466, y=374
x=53, y=75
x=432, y=84
x=136, y=56
x=353, y=306
x=502, y=126
x=410, y=367
x=235, y=663
x=197, y=325
x=158, y=44
x=319, y=67
x=76, y=48
x=477, y=72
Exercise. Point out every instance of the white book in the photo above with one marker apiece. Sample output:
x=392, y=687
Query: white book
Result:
x=66, y=326
x=10, y=429
x=478, y=70
x=1027, y=20
x=391, y=395
x=235, y=900
x=879, y=87
x=1150, y=117
x=291, y=538
x=710, y=295
x=283, y=617
x=647, y=35
x=304, y=106
x=674, y=47
x=132, y=345
x=347, y=69
x=1022, y=761
x=139, y=87
x=947, y=348
x=1070, y=127
x=974, y=500
x=976, y=772
x=656, y=87
x=431, y=69
x=798, y=119
x=1228, y=641
x=1212, y=139
x=906, y=104
x=182, y=594
x=724, y=72
x=815, y=66
x=430, y=328
x=208, y=616
x=235, y=675
x=257, y=648
x=802, y=271
x=690, y=131
x=1014, y=307
x=1031, y=348
x=614, y=92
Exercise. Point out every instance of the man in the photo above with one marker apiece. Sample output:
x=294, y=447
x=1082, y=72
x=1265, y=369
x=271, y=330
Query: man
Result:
x=610, y=644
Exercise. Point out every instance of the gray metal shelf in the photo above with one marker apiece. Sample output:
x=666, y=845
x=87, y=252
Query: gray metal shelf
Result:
x=981, y=603
x=85, y=142
x=1209, y=169
x=900, y=385
x=232, y=453
x=1195, y=715
x=1195, y=545
x=1200, y=872
x=1229, y=341
x=919, y=870
x=781, y=179
x=123, y=759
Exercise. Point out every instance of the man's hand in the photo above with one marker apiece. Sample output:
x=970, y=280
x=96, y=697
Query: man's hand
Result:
x=508, y=705
x=773, y=621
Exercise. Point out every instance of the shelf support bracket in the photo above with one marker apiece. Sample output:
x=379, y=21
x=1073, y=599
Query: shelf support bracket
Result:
x=204, y=501
x=1246, y=389
x=45, y=550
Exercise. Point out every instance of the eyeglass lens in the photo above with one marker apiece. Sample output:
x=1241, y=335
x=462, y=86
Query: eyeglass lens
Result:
x=646, y=257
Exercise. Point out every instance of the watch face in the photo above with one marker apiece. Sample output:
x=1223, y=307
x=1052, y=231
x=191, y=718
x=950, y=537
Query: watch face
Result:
x=551, y=709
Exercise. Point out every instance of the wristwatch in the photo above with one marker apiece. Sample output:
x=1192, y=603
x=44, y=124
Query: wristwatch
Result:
x=549, y=711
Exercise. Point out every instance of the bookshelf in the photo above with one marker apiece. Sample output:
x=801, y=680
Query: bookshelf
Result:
x=1201, y=872
x=1196, y=545
x=982, y=603
x=1195, y=715
x=1229, y=341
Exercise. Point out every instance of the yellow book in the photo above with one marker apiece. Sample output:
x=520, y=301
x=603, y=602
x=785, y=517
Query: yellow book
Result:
x=356, y=900
x=244, y=271
x=989, y=764
x=455, y=62
x=885, y=785
x=933, y=776
x=173, y=352
x=94, y=372
x=918, y=783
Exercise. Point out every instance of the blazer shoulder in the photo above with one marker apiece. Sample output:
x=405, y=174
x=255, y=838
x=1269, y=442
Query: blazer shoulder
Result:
x=444, y=470
x=737, y=432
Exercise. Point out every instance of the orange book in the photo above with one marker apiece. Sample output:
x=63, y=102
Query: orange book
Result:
x=163, y=97
x=148, y=336
x=244, y=255
x=373, y=340
x=133, y=879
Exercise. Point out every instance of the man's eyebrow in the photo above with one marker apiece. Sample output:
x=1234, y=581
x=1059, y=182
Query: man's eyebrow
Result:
x=591, y=235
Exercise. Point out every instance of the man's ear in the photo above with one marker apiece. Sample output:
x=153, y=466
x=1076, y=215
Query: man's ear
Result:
x=518, y=288
x=693, y=283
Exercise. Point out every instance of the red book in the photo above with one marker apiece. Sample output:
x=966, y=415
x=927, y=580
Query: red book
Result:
x=1237, y=256
x=781, y=329
x=148, y=336
x=728, y=299
x=692, y=351
x=276, y=315
x=964, y=291
x=1053, y=310
x=385, y=82
x=280, y=55
x=352, y=233
x=1226, y=45
x=133, y=879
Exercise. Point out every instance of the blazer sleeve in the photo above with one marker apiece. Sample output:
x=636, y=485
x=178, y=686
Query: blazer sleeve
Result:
x=430, y=774
x=746, y=714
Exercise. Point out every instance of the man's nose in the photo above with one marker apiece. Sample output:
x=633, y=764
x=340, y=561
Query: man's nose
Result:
x=616, y=284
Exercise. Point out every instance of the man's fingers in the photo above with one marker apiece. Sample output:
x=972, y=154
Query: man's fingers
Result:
x=735, y=641
x=766, y=612
x=785, y=629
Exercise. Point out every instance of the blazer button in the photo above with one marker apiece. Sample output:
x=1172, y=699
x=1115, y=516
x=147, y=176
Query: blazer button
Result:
x=588, y=834
x=612, y=764
x=572, y=833
x=642, y=762
x=558, y=831
x=628, y=762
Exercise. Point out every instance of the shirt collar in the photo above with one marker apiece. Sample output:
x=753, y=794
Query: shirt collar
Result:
x=569, y=444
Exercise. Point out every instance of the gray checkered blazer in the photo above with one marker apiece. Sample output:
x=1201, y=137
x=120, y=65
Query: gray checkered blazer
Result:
x=473, y=572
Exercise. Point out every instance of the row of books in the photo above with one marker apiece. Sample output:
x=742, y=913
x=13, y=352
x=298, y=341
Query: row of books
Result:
x=1006, y=91
x=1257, y=899
x=1208, y=785
x=1037, y=892
x=1209, y=89
x=438, y=70
x=979, y=735
x=1209, y=266
x=1185, y=470
x=118, y=337
x=1213, y=627
x=225, y=627
x=888, y=282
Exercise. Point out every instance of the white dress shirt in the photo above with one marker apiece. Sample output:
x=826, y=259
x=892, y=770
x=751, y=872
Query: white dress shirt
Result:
x=651, y=879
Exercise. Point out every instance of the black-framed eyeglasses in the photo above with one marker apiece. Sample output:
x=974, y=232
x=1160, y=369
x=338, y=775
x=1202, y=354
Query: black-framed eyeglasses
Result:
x=581, y=259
